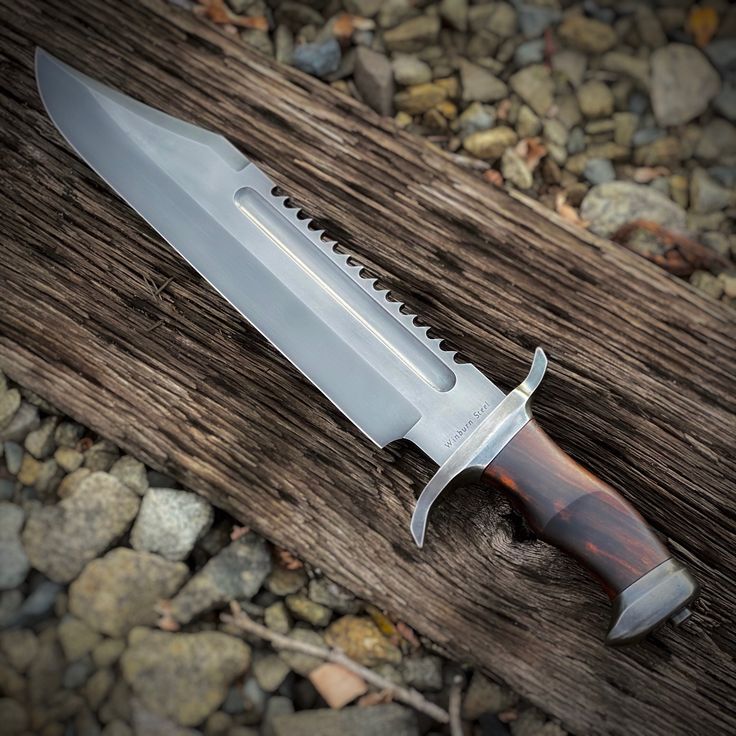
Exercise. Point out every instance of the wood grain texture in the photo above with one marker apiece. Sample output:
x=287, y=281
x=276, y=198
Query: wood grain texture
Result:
x=566, y=505
x=641, y=386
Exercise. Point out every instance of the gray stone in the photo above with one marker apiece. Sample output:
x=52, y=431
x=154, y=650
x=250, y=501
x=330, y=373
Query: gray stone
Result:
x=535, y=19
x=98, y=687
x=119, y=591
x=707, y=283
x=515, y=170
x=68, y=434
x=374, y=79
x=682, y=83
x=530, y=52
x=107, y=652
x=275, y=707
x=45, y=671
x=7, y=487
x=237, y=572
x=68, y=458
x=528, y=123
x=634, y=67
x=599, y=171
x=283, y=44
x=649, y=27
x=555, y=132
x=258, y=39
x=13, y=457
x=455, y=12
x=409, y=70
x=9, y=404
x=609, y=206
x=131, y=473
x=15, y=564
x=363, y=8
x=13, y=717
x=391, y=719
x=587, y=34
x=283, y=581
x=718, y=141
x=40, y=442
x=170, y=522
x=332, y=595
x=301, y=607
x=270, y=671
x=532, y=722
x=10, y=603
x=101, y=456
x=707, y=195
x=393, y=12
x=475, y=117
x=423, y=673
x=300, y=663
x=479, y=85
x=77, y=638
x=155, y=661
x=20, y=647
x=484, y=696
x=117, y=728
x=276, y=617
x=77, y=673
x=148, y=723
x=24, y=420
x=725, y=101
x=498, y=17
x=595, y=99
x=413, y=34
x=36, y=606
x=535, y=86
x=572, y=64
x=59, y=540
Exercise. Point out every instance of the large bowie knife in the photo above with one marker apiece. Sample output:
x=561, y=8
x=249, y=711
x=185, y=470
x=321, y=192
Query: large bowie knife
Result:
x=222, y=214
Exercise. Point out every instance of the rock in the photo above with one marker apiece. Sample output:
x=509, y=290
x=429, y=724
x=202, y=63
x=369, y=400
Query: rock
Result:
x=283, y=44
x=718, y=141
x=572, y=64
x=363, y=8
x=515, y=170
x=68, y=434
x=409, y=70
x=147, y=723
x=270, y=671
x=119, y=591
x=392, y=719
x=528, y=123
x=13, y=717
x=107, y=652
x=36, y=606
x=318, y=59
x=276, y=706
x=595, y=99
x=666, y=151
x=707, y=283
x=59, y=540
x=362, y=641
x=276, y=617
x=24, y=420
x=29, y=470
x=13, y=457
x=45, y=671
x=529, y=52
x=68, y=458
x=722, y=54
x=419, y=98
x=131, y=473
x=300, y=663
x=77, y=673
x=20, y=647
x=237, y=572
x=101, y=456
x=71, y=483
x=608, y=206
x=455, y=12
x=77, y=638
x=624, y=127
x=98, y=687
x=475, y=117
x=117, y=728
x=374, y=79
x=535, y=86
x=9, y=404
x=707, y=195
x=413, y=34
x=490, y=144
x=535, y=19
x=682, y=83
x=532, y=722
x=332, y=595
x=423, y=673
x=307, y=610
x=479, y=85
x=170, y=522
x=40, y=442
x=283, y=581
x=484, y=696
x=497, y=17
x=587, y=34
x=15, y=565
x=728, y=281
x=649, y=27
x=155, y=661
x=634, y=67
x=599, y=171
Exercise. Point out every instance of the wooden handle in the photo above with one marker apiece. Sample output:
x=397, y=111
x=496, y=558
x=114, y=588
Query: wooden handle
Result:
x=569, y=507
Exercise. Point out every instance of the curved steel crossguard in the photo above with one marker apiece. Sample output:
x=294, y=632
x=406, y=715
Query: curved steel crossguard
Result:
x=467, y=463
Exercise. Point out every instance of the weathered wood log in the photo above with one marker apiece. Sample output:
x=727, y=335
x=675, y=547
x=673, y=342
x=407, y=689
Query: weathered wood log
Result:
x=641, y=387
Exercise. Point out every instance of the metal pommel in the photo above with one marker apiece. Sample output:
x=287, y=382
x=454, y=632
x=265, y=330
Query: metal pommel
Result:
x=494, y=432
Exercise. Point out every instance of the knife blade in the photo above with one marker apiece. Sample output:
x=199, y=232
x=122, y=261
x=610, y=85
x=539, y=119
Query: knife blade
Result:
x=358, y=346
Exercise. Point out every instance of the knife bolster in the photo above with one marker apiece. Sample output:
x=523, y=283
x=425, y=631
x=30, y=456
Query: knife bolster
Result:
x=567, y=506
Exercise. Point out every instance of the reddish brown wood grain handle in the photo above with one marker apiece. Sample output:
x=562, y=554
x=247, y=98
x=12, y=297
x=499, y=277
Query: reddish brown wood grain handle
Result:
x=569, y=507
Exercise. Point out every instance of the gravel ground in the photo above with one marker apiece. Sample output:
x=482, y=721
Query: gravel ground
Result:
x=617, y=114
x=113, y=582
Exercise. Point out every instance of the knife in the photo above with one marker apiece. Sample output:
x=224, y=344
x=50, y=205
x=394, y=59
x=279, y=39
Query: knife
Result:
x=362, y=350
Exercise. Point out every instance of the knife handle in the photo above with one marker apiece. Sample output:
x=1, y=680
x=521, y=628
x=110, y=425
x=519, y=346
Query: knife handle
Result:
x=567, y=506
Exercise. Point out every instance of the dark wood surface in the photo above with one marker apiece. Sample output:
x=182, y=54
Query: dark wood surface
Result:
x=566, y=505
x=641, y=386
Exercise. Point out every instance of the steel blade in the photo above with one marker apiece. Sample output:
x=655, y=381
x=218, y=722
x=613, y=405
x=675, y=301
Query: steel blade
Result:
x=219, y=211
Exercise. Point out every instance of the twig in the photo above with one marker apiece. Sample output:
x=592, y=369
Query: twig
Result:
x=456, y=692
x=409, y=696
